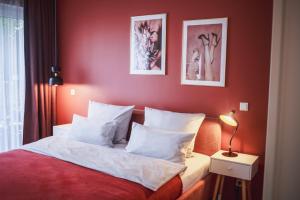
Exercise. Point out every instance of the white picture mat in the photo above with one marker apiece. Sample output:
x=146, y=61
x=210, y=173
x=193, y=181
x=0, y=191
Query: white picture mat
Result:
x=163, y=45
x=224, y=22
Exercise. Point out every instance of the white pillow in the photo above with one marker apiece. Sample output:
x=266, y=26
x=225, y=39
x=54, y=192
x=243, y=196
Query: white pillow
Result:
x=93, y=132
x=108, y=112
x=183, y=122
x=157, y=143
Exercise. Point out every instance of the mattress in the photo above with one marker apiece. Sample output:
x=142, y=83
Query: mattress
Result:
x=197, y=168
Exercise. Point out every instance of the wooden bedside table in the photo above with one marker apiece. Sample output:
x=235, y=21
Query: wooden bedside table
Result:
x=60, y=130
x=243, y=167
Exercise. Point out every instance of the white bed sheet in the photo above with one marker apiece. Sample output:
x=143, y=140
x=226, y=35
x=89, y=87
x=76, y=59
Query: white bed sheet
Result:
x=197, y=168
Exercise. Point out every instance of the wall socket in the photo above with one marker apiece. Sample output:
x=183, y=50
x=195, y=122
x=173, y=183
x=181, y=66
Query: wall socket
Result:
x=244, y=106
x=72, y=92
x=238, y=183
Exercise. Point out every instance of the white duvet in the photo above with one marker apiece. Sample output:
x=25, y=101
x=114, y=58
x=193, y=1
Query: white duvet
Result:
x=149, y=172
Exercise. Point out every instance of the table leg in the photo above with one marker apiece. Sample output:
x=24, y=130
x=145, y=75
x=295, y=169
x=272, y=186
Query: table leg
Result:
x=249, y=190
x=244, y=197
x=217, y=187
x=221, y=187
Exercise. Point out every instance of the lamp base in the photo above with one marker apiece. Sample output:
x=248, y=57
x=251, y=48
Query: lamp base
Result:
x=229, y=154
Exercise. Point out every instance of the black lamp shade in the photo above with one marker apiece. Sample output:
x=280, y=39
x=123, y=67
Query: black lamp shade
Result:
x=55, y=79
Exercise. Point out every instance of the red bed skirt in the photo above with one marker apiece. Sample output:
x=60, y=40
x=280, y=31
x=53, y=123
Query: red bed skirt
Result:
x=27, y=175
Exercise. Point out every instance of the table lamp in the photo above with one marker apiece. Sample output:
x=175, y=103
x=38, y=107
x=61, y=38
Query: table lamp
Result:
x=231, y=121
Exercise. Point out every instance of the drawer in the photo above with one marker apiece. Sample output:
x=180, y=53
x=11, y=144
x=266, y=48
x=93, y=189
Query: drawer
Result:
x=231, y=169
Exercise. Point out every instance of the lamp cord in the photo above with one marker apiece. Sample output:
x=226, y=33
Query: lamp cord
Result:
x=55, y=36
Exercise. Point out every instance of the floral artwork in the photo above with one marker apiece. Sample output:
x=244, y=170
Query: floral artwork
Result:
x=148, y=38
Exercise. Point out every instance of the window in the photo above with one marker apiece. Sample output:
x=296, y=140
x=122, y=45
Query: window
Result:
x=12, y=74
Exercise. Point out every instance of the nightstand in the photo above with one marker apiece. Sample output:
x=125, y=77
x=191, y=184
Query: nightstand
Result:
x=60, y=130
x=243, y=167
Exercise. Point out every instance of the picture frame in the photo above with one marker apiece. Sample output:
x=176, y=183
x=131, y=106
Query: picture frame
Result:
x=204, y=52
x=148, y=44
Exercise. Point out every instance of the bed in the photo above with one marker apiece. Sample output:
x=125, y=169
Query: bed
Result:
x=29, y=175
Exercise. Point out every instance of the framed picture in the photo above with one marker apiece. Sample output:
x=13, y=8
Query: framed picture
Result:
x=204, y=52
x=148, y=44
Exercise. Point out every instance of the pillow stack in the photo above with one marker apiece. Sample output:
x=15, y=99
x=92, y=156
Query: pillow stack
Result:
x=167, y=120
x=158, y=143
x=105, y=125
x=92, y=131
x=108, y=112
x=166, y=135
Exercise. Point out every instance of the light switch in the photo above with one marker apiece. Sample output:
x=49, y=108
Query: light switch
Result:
x=243, y=106
x=72, y=92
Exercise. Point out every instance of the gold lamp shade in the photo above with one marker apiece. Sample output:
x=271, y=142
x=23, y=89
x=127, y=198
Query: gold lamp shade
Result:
x=231, y=121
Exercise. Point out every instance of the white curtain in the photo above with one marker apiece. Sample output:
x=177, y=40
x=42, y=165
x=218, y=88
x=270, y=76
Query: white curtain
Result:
x=12, y=74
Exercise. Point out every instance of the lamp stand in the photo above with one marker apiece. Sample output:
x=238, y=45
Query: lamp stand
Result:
x=229, y=153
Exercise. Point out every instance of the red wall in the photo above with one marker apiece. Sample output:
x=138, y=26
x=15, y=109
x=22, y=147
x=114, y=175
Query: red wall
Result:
x=94, y=55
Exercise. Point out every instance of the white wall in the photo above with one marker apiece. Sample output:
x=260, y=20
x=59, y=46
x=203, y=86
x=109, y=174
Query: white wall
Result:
x=282, y=170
